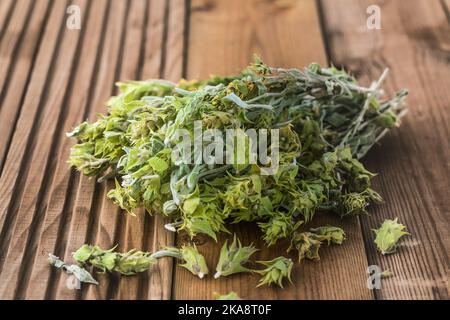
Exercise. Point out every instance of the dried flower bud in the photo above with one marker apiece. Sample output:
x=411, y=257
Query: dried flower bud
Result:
x=275, y=272
x=388, y=235
x=232, y=258
x=307, y=245
x=356, y=203
x=353, y=203
x=280, y=226
x=387, y=120
x=193, y=260
x=330, y=234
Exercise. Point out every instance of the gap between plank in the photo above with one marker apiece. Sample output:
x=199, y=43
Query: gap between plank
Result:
x=25, y=89
x=14, y=54
x=8, y=18
x=323, y=30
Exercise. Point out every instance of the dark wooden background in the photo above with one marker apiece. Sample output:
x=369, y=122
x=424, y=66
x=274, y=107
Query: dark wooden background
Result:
x=52, y=78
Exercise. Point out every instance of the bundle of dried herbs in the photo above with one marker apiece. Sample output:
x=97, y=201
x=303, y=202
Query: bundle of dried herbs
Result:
x=325, y=122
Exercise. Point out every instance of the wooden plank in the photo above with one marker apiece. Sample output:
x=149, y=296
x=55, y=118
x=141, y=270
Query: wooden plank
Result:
x=413, y=160
x=12, y=36
x=88, y=194
x=285, y=34
x=17, y=256
x=109, y=225
x=11, y=180
x=48, y=239
x=105, y=214
x=175, y=40
x=12, y=95
x=154, y=38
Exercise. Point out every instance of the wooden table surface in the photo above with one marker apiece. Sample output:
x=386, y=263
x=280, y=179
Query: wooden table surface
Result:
x=52, y=77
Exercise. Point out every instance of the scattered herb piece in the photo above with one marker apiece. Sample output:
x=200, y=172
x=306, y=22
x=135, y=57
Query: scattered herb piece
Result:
x=230, y=296
x=276, y=271
x=134, y=261
x=388, y=235
x=386, y=274
x=128, y=263
x=233, y=258
x=193, y=260
x=333, y=235
x=307, y=245
x=78, y=272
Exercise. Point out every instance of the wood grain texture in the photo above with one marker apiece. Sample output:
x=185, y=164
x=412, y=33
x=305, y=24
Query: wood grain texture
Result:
x=92, y=217
x=29, y=211
x=20, y=64
x=141, y=31
x=13, y=36
x=61, y=195
x=11, y=41
x=413, y=160
x=224, y=36
x=13, y=173
x=286, y=34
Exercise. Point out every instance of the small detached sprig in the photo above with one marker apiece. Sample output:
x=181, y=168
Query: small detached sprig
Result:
x=128, y=263
x=388, y=235
x=276, y=271
x=308, y=243
x=233, y=258
x=386, y=274
x=134, y=261
x=193, y=260
x=78, y=272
